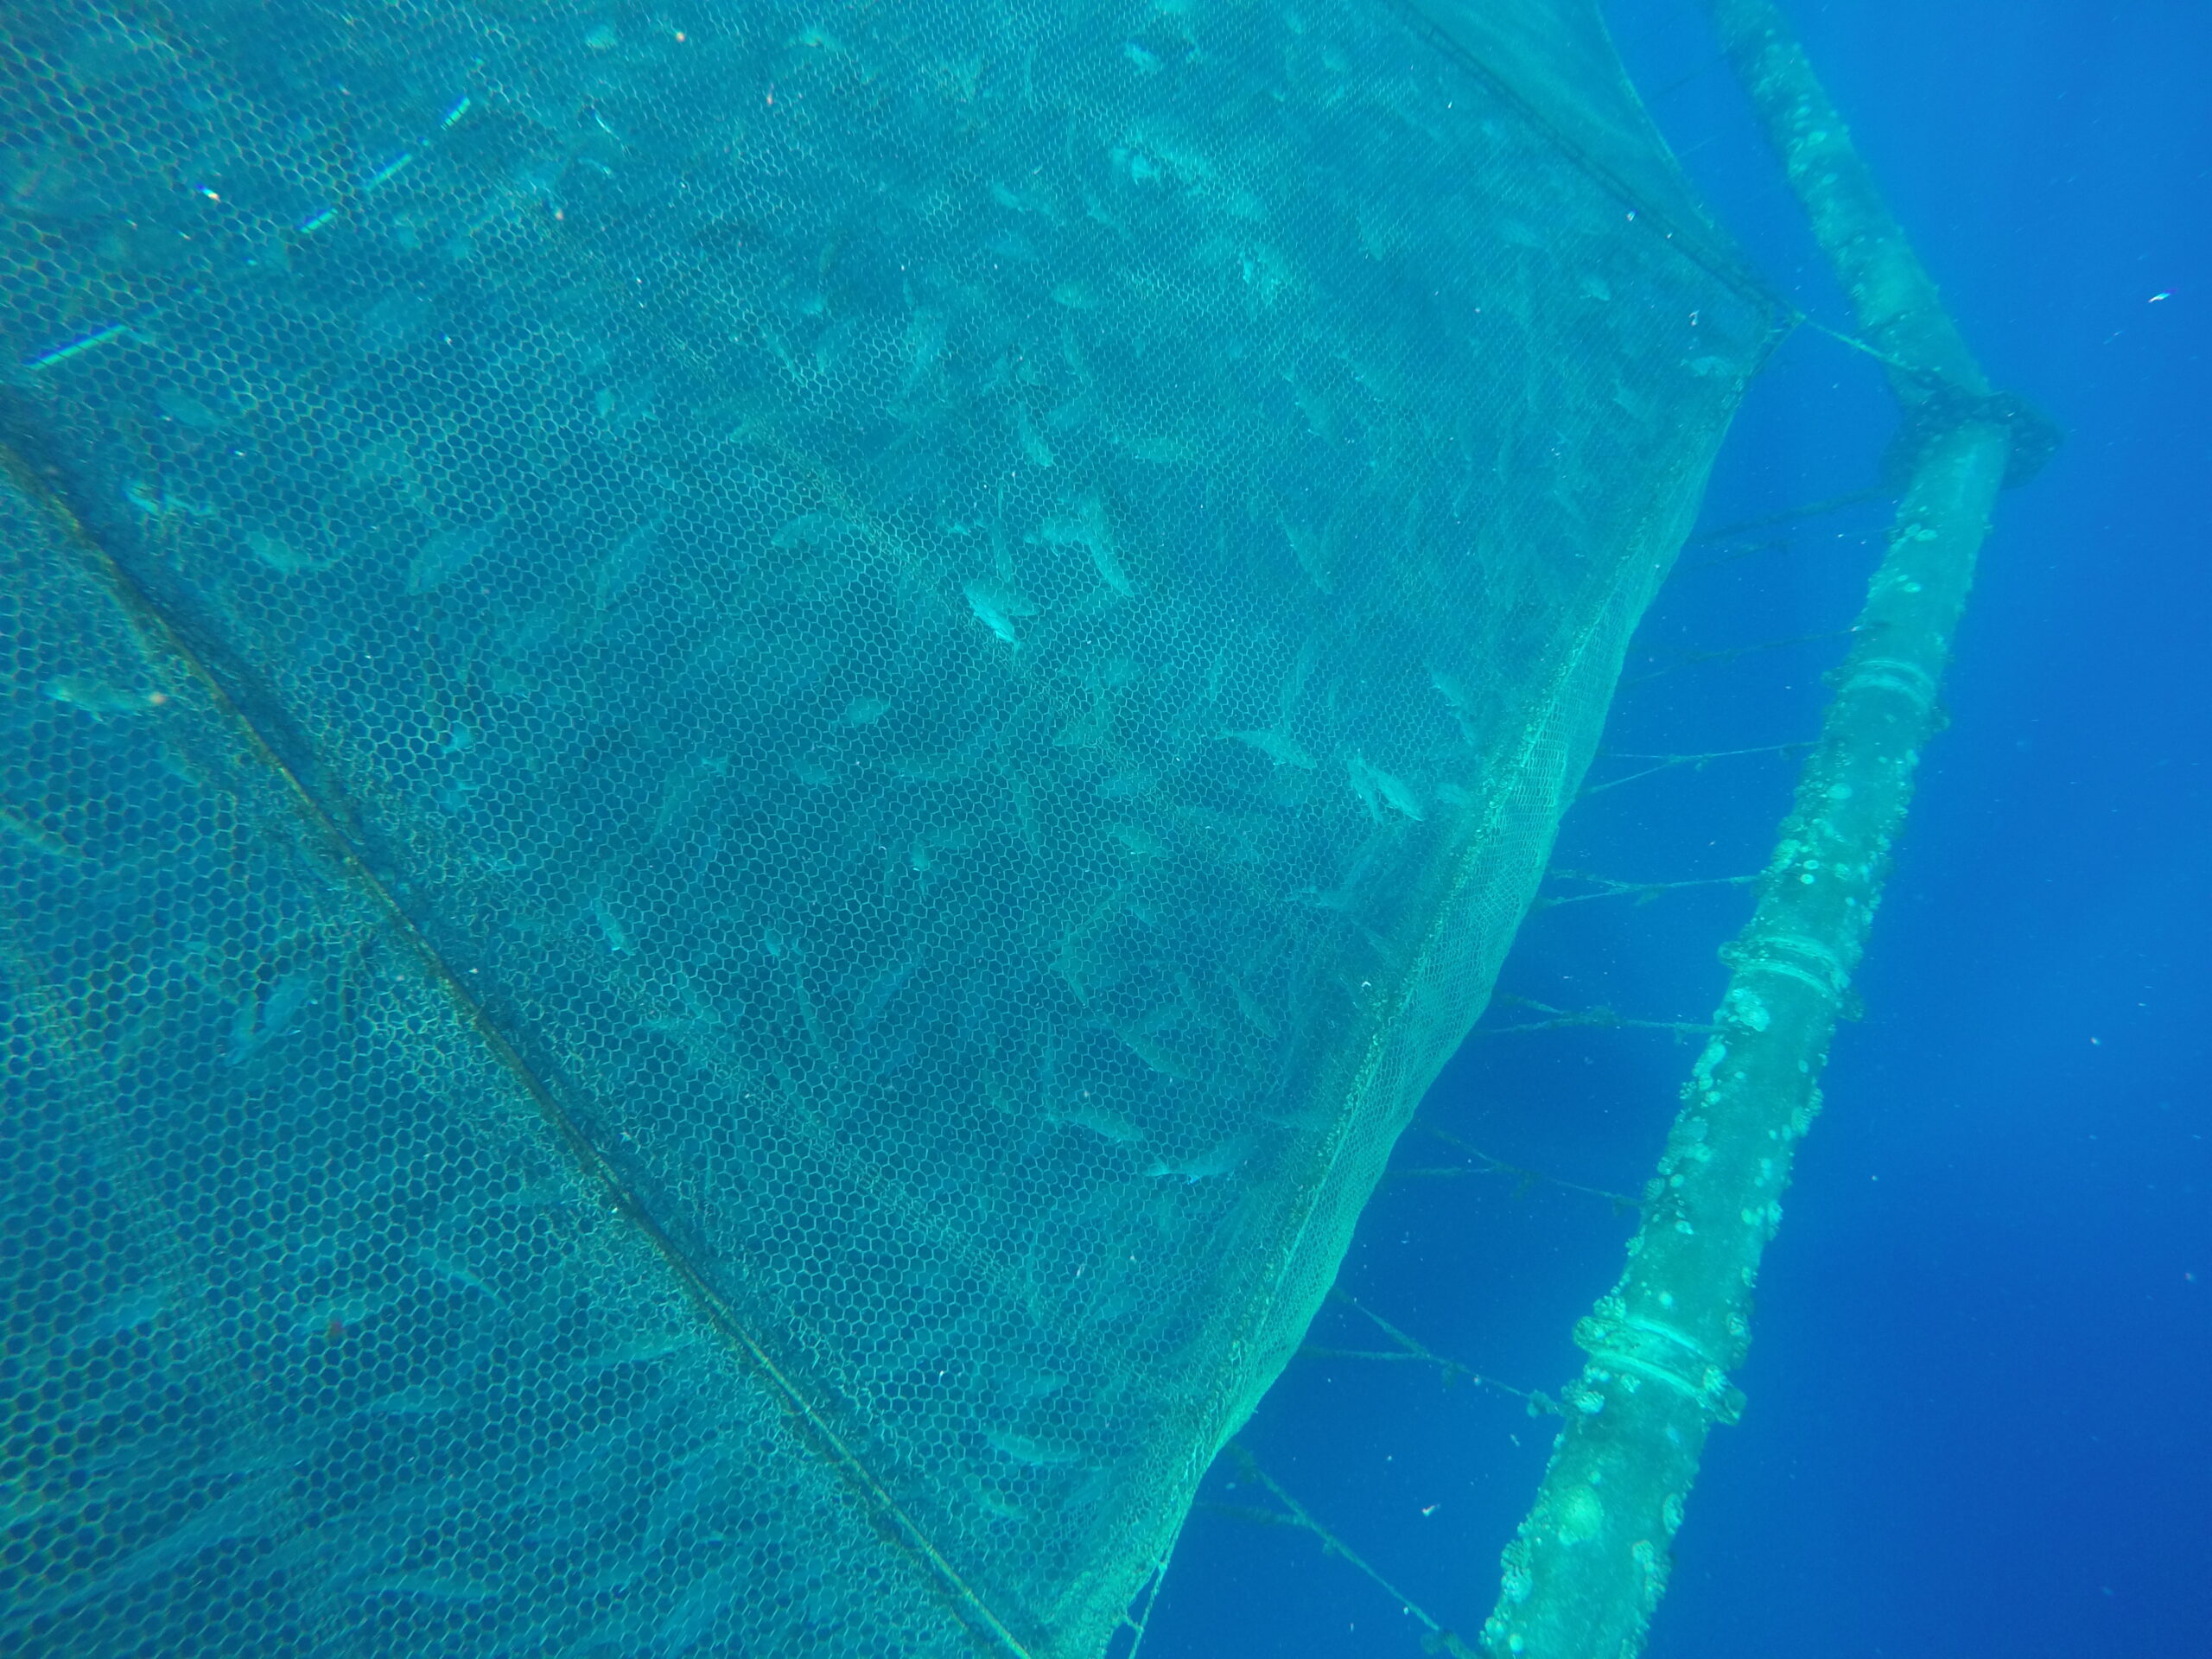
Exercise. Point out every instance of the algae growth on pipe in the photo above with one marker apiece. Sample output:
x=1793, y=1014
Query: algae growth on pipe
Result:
x=1586, y=1569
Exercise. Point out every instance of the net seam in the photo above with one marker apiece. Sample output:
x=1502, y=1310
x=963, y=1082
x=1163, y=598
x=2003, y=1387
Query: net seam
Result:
x=1543, y=718
x=1742, y=280
x=146, y=618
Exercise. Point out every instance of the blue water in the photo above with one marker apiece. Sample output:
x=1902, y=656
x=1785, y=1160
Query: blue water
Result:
x=1978, y=1420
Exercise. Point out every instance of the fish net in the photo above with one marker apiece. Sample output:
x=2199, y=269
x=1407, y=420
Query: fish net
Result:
x=752, y=753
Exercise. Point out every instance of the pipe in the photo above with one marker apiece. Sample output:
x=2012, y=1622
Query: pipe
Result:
x=1585, y=1572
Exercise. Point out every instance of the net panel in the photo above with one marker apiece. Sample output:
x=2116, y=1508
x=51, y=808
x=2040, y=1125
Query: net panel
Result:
x=755, y=752
x=319, y=1340
x=1555, y=60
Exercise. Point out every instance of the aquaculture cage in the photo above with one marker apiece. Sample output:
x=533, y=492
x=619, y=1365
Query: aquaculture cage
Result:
x=755, y=752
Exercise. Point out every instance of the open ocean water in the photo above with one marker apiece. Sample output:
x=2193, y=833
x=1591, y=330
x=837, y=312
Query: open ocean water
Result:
x=1980, y=1422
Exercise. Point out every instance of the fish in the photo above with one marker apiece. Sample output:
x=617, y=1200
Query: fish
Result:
x=90, y=695
x=454, y=1273
x=930, y=768
x=161, y=502
x=1025, y=810
x=1086, y=526
x=428, y=1585
x=19, y=827
x=830, y=346
x=648, y=1348
x=1137, y=841
x=877, y=999
x=1221, y=1161
x=132, y=1311
x=251, y=1509
x=1280, y=748
x=925, y=332
x=1098, y=213
x=1072, y=355
x=1165, y=1062
x=1249, y=1006
x=188, y=411
x=389, y=324
x=334, y=1318
x=616, y=940
x=631, y=559
x=1108, y=1126
x=280, y=555
x=996, y=604
x=421, y=1400
x=628, y=402
x=1088, y=729
x=811, y=529
x=1458, y=699
x=1031, y=199
x=1035, y=1453
x=448, y=553
x=1378, y=788
x=1316, y=553
x=259, y=1024
x=1032, y=444
x=389, y=457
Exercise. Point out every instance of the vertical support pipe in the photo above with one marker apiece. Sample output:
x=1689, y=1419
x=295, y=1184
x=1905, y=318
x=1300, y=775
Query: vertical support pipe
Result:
x=1892, y=298
x=1586, y=1568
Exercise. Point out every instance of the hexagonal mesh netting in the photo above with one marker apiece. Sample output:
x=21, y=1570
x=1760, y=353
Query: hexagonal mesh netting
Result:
x=753, y=753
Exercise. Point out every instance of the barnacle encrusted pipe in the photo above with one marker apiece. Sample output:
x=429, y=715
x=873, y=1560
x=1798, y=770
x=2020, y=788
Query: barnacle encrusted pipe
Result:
x=1586, y=1568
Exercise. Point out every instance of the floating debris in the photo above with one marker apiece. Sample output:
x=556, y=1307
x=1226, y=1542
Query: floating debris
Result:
x=391, y=170
x=79, y=347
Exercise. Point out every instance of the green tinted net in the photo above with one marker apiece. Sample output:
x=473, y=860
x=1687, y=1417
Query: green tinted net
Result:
x=752, y=753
